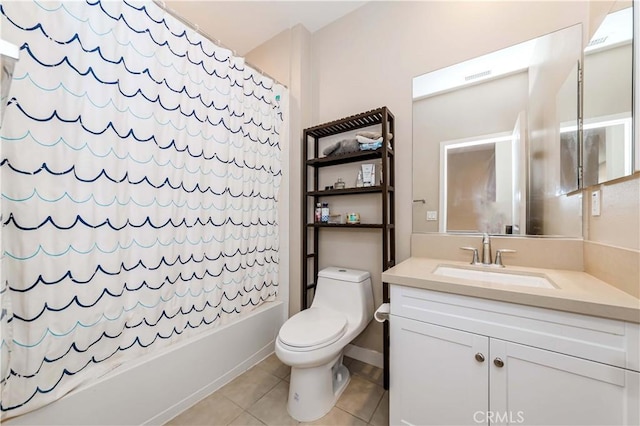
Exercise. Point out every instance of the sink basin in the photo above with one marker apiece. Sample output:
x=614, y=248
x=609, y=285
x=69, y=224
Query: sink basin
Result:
x=493, y=276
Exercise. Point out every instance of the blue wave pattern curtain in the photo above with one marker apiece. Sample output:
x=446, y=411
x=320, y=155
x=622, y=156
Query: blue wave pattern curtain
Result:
x=140, y=171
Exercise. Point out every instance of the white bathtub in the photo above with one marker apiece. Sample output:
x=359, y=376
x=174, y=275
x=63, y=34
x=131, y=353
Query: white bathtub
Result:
x=156, y=388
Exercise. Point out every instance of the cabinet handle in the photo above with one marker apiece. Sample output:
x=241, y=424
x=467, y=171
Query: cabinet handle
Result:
x=479, y=357
x=498, y=362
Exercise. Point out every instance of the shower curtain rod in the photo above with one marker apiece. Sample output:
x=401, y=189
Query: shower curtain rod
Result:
x=214, y=40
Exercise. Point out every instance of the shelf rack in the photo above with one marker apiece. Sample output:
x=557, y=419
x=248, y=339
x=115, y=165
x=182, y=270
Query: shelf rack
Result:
x=311, y=194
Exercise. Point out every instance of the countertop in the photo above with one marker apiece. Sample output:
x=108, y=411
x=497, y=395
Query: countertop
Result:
x=576, y=292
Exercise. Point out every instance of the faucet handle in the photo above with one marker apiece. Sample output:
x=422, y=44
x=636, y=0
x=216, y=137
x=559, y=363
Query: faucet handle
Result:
x=499, y=252
x=475, y=260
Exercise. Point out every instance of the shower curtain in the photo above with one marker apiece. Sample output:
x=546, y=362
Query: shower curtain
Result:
x=140, y=171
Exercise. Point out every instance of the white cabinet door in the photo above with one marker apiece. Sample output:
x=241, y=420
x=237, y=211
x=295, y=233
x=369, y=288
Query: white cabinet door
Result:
x=541, y=387
x=435, y=378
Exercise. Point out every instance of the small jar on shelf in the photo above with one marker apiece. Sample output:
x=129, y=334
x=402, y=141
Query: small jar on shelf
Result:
x=325, y=213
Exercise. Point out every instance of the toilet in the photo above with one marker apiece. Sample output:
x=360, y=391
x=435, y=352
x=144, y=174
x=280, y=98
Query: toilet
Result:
x=312, y=341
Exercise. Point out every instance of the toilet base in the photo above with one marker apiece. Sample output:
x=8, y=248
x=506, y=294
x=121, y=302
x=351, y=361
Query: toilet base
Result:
x=314, y=391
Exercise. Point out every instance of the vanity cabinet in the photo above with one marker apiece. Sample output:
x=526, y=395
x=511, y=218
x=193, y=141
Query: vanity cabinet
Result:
x=434, y=379
x=460, y=360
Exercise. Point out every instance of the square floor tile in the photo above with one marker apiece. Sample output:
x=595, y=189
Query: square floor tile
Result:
x=215, y=409
x=381, y=415
x=249, y=387
x=246, y=419
x=271, y=409
x=360, y=398
x=338, y=417
x=273, y=365
x=367, y=371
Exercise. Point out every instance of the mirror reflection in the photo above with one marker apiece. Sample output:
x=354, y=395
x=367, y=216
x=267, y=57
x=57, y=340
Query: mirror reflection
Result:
x=478, y=177
x=607, y=131
x=487, y=151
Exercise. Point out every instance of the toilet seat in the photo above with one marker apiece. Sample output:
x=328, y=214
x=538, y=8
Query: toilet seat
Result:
x=313, y=328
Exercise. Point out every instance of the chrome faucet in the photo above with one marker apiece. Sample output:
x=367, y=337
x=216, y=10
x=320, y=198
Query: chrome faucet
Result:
x=486, y=249
x=486, y=254
x=499, y=252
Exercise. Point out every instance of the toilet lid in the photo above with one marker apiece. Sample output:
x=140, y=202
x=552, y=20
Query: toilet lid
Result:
x=313, y=327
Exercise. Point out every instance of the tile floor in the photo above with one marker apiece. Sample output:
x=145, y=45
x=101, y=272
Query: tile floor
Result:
x=259, y=397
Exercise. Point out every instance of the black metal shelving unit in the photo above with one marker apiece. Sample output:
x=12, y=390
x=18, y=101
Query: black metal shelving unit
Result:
x=311, y=194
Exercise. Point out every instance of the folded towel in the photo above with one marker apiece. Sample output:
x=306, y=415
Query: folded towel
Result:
x=344, y=146
x=370, y=146
x=373, y=135
x=370, y=135
x=363, y=139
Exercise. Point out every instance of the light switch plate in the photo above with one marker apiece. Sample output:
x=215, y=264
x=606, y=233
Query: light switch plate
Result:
x=595, y=203
x=580, y=204
x=432, y=215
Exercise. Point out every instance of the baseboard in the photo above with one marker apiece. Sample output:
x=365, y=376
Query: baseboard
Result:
x=368, y=356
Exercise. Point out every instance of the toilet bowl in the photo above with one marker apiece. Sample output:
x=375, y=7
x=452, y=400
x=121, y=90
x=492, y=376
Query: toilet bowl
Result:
x=312, y=341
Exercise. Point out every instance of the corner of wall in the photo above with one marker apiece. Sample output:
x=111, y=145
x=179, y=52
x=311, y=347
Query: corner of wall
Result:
x=300, y=118
x=617, y=266
x=287, y=57
x=612, y=239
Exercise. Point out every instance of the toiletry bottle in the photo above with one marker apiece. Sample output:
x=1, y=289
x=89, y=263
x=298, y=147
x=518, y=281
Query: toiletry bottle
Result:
x=359, y=183
x=318, y=213
x=339, y=184
x=325, y=213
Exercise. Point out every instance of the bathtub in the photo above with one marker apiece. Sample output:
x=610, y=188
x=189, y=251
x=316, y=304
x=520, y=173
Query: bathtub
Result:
x=157, y=387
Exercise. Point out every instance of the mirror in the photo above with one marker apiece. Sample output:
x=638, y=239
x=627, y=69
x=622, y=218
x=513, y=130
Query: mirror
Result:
x=488, y=155
x=607, y=102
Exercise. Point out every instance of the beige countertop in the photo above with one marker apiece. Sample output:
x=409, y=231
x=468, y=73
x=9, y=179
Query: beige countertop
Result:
x=576, y=291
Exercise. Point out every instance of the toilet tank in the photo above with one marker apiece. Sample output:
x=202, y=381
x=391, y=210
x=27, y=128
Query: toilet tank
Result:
x=345, y=290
